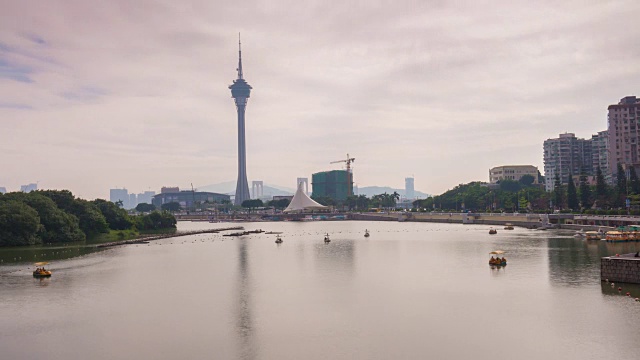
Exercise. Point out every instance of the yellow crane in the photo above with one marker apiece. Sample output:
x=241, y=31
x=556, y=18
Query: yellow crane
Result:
x=349, y=160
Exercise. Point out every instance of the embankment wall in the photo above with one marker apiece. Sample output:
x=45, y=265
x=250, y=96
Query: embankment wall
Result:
x=624, y=268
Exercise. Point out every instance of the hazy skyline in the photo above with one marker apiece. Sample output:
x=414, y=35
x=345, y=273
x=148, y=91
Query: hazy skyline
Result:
x=102, y=95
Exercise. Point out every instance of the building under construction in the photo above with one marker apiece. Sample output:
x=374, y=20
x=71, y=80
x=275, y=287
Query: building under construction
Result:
x=336, y=184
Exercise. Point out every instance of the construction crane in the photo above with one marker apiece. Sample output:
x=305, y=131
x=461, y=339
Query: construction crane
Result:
x=348, y=161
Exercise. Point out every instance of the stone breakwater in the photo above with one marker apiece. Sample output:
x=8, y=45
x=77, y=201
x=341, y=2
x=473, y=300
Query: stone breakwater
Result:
x=164, y=236
x=623, y=268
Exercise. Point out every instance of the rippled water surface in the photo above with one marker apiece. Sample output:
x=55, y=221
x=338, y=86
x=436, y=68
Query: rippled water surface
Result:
x=410, y=291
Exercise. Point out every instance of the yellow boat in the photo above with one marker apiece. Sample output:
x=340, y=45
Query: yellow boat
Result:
x=592, y=235
x=497, y=261
x=41, y=271
x=616, y=236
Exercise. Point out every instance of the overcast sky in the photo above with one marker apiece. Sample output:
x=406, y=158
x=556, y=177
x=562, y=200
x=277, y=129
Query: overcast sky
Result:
x=103, y=94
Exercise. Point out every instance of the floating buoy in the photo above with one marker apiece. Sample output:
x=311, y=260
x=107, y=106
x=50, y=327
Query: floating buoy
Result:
x=637, y=299
x=628, y=294
x=619, y=289
x=606, y=280
x=613, y=284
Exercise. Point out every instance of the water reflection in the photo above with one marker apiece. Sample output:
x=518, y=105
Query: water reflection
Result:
x=632, y=289
x=575, y=262
x=245, y=330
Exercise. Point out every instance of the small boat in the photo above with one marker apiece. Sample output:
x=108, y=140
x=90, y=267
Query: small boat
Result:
x=592, y=235
x=273, y=232
x=41, y=271
x=326, y=238
x=508, y=226
x=278, y=240
x=366, y=233
x=493, y=231
x=497, y=261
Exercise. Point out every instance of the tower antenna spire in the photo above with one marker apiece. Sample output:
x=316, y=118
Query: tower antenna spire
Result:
x=239, y=58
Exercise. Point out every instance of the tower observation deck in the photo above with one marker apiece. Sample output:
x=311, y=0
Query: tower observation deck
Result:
x=240, y=91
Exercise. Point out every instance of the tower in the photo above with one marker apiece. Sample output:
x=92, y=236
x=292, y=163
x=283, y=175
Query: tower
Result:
x=240, y=91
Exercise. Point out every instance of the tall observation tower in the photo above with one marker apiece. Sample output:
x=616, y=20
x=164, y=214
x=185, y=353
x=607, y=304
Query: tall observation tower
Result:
x=240, y=91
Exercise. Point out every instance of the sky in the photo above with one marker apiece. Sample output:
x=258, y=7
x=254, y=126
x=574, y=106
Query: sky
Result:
x=98, y=95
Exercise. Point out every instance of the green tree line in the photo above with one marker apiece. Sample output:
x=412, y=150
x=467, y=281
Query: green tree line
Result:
x=57, y=216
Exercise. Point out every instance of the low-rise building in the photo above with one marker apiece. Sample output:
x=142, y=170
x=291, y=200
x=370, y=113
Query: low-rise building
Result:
x=188, y=199
x=512, y=172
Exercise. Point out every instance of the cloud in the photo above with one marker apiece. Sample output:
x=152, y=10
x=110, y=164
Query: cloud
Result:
x=135, y=93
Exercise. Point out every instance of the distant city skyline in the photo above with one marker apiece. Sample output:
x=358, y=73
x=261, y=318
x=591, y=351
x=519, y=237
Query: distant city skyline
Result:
x=441, y=90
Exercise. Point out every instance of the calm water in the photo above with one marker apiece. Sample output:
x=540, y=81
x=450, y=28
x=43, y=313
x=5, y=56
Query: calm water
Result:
x=410, y=291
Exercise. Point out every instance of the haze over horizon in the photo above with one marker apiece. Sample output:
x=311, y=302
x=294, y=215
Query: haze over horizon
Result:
x=99, y=95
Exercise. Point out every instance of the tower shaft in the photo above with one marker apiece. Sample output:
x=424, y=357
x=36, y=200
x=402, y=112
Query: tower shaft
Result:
x=242, y=186
x=240, y=92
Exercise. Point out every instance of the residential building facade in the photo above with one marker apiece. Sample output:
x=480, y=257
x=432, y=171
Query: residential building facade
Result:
x=409, y=188
x=116, y=195
x=600, y=154
x=29, y=188
x=188, y=199
x=512, y=172
x=564, y=156
x=623, y=121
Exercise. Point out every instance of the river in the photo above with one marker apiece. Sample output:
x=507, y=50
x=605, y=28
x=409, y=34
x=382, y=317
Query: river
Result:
x=409, y=291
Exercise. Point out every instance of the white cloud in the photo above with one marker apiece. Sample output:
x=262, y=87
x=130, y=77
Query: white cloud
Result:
x=135, y=93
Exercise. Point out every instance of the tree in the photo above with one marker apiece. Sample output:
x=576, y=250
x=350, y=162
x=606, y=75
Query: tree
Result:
x=509, y=185
x=572, y=195
x=19, y=224
x=324, y=200
x=279, y=204
x=171, y=207
x=57, y=225
x=362, y=202
x=252, y=204
x=155, y=220
x=144, y=207
x=585, y=191
x=621, y=186
x=116, y=217
x=558, y=192
x=527, y=180
x=634, y=182
x=91, y=220
x=601, y=189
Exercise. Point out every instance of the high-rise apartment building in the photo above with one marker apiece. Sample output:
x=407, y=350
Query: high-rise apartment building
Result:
x=624, y=134
x=409, y=190
x=600, y=154
x=116, y=195
x=146, y=197
x=133, y=201
x=29, y=188
x=566, y=155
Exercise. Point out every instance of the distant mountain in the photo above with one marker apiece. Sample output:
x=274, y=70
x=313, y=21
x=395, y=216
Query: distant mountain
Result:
x=229, y=187
x=369, y=191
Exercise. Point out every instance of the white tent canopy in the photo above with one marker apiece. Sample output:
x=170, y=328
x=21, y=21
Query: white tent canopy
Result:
x=301, y=202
